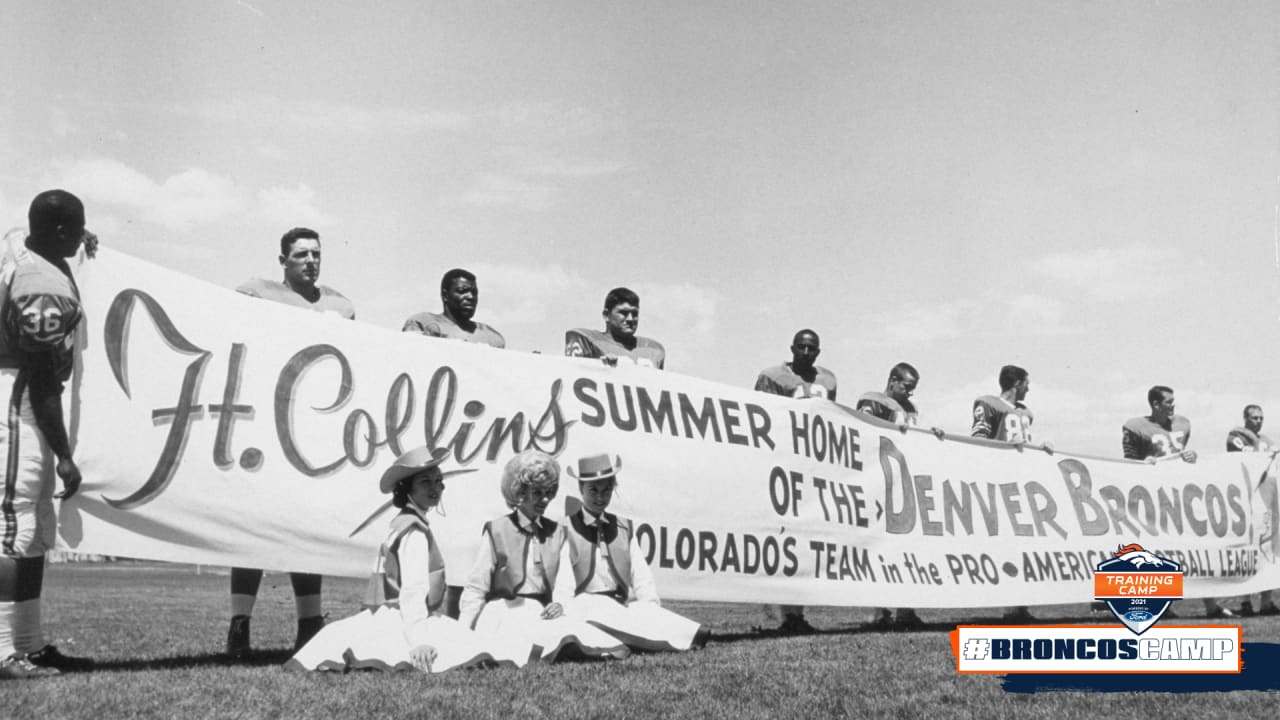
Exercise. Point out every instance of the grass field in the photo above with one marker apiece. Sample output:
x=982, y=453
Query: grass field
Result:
x=157, y=633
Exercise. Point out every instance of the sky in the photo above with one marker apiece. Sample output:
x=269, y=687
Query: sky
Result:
x=1085, y=189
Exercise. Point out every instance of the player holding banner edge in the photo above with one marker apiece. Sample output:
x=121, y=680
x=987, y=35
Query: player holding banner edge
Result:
x=39, y=315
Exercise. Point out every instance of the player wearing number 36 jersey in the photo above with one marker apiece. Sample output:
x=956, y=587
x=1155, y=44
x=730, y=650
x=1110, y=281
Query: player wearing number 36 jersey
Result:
x=1004, y=417
x=39, y=314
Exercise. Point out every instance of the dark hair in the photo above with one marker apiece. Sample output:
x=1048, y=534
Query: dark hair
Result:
x=1011, y=375
x=1247, y=408
x=1157, y=392
x=805, y=331
x=454, y=274
x=901, y=369
x=52, y=208
x=400, y=493
x=620, y=295
x=298, y=233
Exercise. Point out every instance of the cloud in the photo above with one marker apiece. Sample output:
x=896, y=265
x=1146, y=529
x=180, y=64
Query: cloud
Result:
x=322, y=116
x=191, y=197
x=292, y=207
x=491, y=189
x=250, y=8
x=687, y=311
x=525, y=294
x=12, y=213
x=1115, y=273
x=60, y=123
x=1037, y=315
x=922, y=323
x=573, y=168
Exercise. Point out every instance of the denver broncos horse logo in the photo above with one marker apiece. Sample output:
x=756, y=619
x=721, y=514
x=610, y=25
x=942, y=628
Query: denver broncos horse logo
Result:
x=1138, y=555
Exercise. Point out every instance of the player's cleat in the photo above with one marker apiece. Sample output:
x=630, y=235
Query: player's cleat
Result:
x=907, y=619
x=50, y=657
x=1019, y=614
x=1269, y=609
x=883, y=619
x=1219, y=612
x=307, y=629
x=18, y=667
x=795, y=625
x=238, y=638
x=1097, y=606
x=1246, y=609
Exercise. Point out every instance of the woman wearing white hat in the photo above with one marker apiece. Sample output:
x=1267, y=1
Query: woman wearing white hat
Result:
x=509, y=591
x=403, y=627
x=610, y=582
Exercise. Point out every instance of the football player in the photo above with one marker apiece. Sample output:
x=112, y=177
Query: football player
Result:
x=1160, y=434
x=1164, y=434
x=39, y=315
x=619, y=341
x=800, y=378
x=460, y=295
x=300, y=260
x=894, y=405
x=1005, y=417
x=1250, y=438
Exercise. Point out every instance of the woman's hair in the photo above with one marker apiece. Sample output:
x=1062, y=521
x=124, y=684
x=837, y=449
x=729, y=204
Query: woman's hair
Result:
x=529, y=469
x=400, y=493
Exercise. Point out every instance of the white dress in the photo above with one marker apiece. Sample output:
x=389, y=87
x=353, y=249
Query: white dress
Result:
x=641, y=622
x=522, y=616
x=381, y=638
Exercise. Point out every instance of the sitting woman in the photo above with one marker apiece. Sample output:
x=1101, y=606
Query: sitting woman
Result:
x=404, y=628
x=612, y=586
x=509, y=590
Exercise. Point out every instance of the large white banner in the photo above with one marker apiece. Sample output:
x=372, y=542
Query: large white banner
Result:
x=221, y=429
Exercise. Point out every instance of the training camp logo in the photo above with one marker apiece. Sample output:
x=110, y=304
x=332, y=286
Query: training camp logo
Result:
x=1138, y=586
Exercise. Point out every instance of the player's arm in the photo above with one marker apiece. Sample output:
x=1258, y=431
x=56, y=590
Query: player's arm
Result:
x=1131, y=443
x=764, y=384
x=578, y=345
x=1235, y=442
x=421, y=325
x=45, y=391
x=983, y=426
x=1186, y=454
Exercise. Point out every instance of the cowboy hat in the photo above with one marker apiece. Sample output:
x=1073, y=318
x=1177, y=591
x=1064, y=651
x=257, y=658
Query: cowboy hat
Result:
x=595, y=467
x=415, y=461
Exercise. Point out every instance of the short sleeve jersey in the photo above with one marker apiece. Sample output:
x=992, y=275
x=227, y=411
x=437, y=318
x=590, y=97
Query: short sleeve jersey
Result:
x=1245, y=440
x=1143, y=438
x=782, y=380
x=441, y=326
x=39, y=310
x=329, y=300
x=880, y=405
x=997, y=419
x=596, y=344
